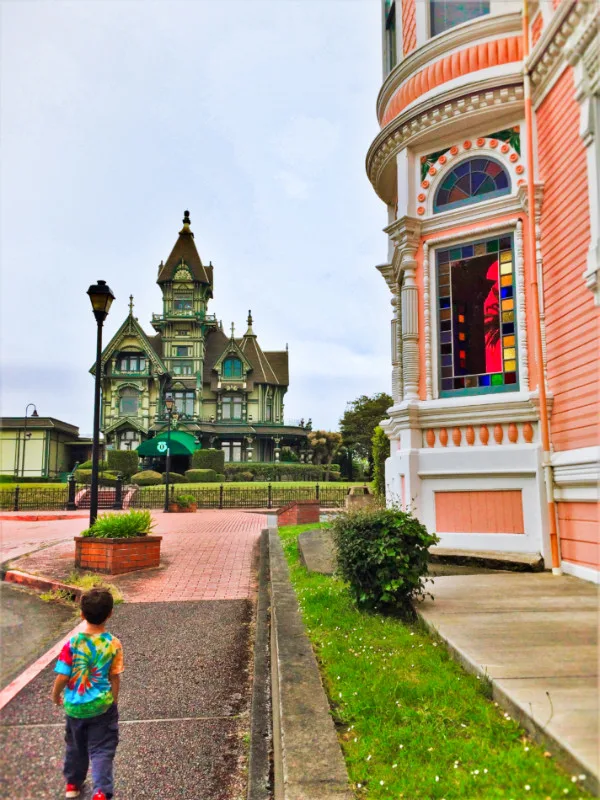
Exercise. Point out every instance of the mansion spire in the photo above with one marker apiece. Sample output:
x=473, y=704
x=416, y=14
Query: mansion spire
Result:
x=185, y=255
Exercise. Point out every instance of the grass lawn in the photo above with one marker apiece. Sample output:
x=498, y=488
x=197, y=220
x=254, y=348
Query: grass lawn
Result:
x=309, y=485
x=412, y=723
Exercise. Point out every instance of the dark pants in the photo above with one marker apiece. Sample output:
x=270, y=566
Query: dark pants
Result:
x=95, y=738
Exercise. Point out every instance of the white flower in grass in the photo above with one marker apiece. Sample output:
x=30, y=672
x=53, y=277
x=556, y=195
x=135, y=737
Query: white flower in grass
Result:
x=394, y=766
x=573, y=778
x=401, y=746
x=437, y=778
x=368, y=758
x=485, y=771
x=355, y=739
x=582, y=777
x=381, y=783
x=527, y=787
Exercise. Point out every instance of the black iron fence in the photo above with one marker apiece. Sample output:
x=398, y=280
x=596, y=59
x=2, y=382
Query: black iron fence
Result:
x=72, y=496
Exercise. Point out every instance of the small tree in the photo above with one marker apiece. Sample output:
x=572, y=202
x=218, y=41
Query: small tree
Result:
x=325, y=445
x=124, y=461
x=381, y=450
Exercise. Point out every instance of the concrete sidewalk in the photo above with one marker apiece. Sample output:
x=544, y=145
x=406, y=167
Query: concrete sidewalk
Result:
x=536, y=637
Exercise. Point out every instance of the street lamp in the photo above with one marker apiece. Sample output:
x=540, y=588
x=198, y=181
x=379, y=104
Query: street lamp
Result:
x=25, y=434
x=169, y=403
x=101, y=299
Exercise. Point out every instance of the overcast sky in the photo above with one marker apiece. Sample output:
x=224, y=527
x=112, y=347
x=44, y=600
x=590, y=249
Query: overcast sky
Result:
x=257, y=116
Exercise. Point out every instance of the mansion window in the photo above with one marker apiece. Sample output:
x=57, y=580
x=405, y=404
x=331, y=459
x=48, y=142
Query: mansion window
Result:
x=128, y=440
x=231, y=408
x=390, y=35
x=184, y=303
x=184, y=403
x=182, y=351
x=183, y=368
x=269, y=409
x=445, y=14
x=476, y=318
x=131, y=362
x=232, y=368
x=471, y=182
x=232, y=451
x=129, y=402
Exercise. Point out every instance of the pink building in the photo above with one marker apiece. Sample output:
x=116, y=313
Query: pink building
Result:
x=488, y=160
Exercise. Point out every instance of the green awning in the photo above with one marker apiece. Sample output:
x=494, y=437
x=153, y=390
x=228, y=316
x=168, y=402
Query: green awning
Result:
x=181, y=444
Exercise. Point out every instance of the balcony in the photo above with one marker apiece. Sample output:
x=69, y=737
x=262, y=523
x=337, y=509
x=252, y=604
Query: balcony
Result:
x=174, y=315
x=118, y=373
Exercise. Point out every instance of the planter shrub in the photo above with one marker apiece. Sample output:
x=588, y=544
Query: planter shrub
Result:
x=147, y=478
x=123, y=461
x=174, y=477
x=121, y=526
x=201, y=475
x=105, y=477
x=118, y=543
x=383, y=555
x=209, y=459
x=186, y=502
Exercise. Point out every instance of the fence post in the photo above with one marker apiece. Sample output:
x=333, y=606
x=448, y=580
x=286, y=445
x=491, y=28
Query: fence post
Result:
x=317, y=492
x=16, y=506
x=118, y=504
x=71, y=498
x=270, y=496
x=221, y=496
x=172, y=487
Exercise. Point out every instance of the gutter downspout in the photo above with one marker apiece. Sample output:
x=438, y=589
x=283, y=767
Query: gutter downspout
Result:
x=539, y=355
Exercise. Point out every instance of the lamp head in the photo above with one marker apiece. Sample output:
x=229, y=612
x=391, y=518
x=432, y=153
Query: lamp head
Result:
x=101, y=298
x=35, y=414
x=169, y=403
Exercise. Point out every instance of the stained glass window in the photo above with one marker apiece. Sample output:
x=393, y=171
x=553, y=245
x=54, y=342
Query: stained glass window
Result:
x=446, y=14
x=470, y=182
x=476, y=318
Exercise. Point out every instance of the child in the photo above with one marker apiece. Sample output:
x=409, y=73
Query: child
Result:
x=89, y=671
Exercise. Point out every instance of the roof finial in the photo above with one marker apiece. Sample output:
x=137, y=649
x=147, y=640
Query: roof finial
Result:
x=130, y=304
x=249, y=319
x=232, y=330
x=186, y=217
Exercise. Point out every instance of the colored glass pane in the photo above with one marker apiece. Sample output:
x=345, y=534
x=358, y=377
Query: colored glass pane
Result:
x=480, y=249
x=471, y=181
x=497, y=380
x=510, y=366
x=506, y=291
x=508, y=305
x=468, y=251
x=509, y=352
x=509, y=341
x=506, y=280
x=508, y=316
x=492, y=247
x=510, y=377
x=505, y=268
x=506, y=256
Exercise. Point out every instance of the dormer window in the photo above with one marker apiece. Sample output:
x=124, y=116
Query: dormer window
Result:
x=232, y=367
x=129, y=402
x=269, y=409
x=131, y=362
x=183, y=303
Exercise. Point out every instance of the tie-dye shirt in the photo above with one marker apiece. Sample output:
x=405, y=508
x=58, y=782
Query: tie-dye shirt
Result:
x=89, y=659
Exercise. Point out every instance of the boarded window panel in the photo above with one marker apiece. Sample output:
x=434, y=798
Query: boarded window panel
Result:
x=496, y=511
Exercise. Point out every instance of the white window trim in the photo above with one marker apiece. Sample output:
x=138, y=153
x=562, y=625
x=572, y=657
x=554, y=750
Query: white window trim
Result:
x=431, y=338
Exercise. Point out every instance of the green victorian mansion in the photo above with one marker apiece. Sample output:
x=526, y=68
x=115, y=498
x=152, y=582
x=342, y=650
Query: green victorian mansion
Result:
x=228, y=393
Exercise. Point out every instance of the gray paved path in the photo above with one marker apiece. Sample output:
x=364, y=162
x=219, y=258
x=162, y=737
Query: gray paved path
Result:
x=536, y=637
x=184, y=709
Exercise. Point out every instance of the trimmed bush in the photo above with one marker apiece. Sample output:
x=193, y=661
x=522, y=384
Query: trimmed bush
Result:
x=209, y=459
x=174, y=477
x=335, y=468
x=102, y=465
x=220, y=477
x=245, y=476
x=201, y=475
x=104, y=478
x=147, y=478
x=124, y=461
x=383, y=555
x=185, y=500
x=275, y=471
x=121, y=526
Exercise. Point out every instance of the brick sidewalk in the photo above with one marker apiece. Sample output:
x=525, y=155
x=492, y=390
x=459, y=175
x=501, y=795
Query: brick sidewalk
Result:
x=204, y=556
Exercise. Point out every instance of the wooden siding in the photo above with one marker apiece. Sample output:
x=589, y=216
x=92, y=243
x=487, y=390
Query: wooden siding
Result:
x=571, y=317
x=536, y=28
x=580, y=533
x=497, y=511
x=409, y=26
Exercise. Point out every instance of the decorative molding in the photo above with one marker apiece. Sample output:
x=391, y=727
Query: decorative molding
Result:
x=580, y=571
x=427, y=323
x=406, y=129
x=485, y=27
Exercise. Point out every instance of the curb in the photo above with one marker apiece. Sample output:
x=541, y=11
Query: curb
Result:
x=308, y=761
x=260, y=781
x=40, y=584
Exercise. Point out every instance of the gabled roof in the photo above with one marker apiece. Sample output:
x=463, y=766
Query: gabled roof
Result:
x=279, y=361
x=131, y=327
x=263, y=371
x=185, y=250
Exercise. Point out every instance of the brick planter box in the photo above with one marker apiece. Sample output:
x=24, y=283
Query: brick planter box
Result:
x=298, y=513
x=115, y=556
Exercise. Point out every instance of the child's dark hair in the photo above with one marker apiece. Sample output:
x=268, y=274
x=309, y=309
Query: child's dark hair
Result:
x=96, y=605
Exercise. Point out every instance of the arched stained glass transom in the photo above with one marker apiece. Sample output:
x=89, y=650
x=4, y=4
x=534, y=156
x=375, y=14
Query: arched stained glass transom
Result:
x=471, y=182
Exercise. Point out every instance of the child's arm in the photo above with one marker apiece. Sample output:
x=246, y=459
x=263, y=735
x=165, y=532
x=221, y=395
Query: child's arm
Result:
x=57, y=690
x=115, y=685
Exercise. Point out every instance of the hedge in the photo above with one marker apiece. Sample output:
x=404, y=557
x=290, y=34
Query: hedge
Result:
x=102, y=465
x=105, y=478
x=275, y=471
x=209, y=459
x=147, y=478
x=174, y=477
x=201, y=475
x=124, y=461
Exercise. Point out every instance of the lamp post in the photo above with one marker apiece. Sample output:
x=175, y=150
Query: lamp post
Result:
x=34, y=414
x=169, y=403
x=101, y=299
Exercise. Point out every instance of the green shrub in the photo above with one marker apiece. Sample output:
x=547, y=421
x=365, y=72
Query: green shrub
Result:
x=201, y=475
x=220, y=477
x=383, y=554
x=275, y=471
x=335, y=468
x=147, y=478
x=209, y=459
x=105, y=478
x=245, y=476
x=123, y=461
x=28, y=479
x=381, y=450
x=185, y=500
x=121, y=526
x=174, y=477
x=102, y=465
x=288, y=456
